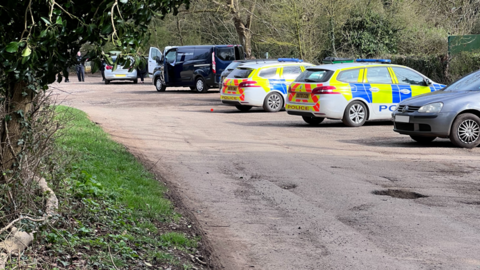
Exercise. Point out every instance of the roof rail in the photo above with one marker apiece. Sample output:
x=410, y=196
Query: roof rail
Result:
x=374, y=60
x=289, y=60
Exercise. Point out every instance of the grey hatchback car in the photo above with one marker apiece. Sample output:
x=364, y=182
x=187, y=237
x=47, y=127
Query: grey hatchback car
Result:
x=452, y=112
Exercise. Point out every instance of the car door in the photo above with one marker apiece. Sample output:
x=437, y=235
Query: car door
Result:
x=379, y=85
x=169, y=67
x=154, y=56
x=185, y=65
x=410, y=83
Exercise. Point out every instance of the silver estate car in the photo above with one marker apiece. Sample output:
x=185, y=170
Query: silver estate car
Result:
x=452, y=112
x=119, y=74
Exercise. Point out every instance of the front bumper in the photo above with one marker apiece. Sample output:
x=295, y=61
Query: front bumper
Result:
x=421, y=124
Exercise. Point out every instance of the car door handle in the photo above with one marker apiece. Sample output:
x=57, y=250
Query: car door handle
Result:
x=374, y=89
x=405, y=91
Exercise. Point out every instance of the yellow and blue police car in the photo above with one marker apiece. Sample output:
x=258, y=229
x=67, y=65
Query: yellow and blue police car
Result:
x=368, y=89
x=261, y=84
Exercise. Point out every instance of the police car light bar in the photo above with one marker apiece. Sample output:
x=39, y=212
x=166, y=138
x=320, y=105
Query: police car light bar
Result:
x=289, y=60
x=374, y=60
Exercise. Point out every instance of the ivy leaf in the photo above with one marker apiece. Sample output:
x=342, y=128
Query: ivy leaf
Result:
x=26, y=52
x=12, y=47
x=123, y=1
x=46, y=20
x=59, y=20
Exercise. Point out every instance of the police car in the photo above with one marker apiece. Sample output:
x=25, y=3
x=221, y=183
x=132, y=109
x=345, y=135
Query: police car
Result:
x=261, y=85
x=368, y=89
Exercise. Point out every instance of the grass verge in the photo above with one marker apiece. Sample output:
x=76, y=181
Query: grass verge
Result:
x=113, y=214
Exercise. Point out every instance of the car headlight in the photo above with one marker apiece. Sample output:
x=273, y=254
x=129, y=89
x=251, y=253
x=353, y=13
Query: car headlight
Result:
x=431, y=108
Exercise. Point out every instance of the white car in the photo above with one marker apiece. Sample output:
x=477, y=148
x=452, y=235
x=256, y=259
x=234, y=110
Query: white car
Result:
x=119, y=74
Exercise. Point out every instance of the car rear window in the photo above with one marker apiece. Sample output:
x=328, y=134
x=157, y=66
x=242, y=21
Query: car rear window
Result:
x=240, y=73
x=233, y=65
x=315, y=75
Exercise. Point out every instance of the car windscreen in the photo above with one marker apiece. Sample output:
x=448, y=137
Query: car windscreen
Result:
x=233, y=65
x=315, y=75
x=470, y=82
x=240, y=73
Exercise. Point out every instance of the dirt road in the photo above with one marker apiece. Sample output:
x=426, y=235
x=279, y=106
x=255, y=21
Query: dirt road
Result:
x=274, y=193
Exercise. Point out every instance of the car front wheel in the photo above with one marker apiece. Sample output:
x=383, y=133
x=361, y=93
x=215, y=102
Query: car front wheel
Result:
x=314, y=121
x=465, y=131
x=159, y=85
x=422, y=139
x=355, y=114
x=273, y=102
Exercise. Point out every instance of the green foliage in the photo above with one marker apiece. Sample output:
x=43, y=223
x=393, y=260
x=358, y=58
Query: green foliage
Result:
x=97, y=222
x=369, y=34
x=41, y=38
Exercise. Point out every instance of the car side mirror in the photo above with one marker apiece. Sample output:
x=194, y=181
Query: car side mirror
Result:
x=428, y=82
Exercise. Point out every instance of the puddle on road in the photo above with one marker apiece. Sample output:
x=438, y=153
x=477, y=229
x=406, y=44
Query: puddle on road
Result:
x=400, y=194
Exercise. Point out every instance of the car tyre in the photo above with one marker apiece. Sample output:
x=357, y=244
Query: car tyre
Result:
x=312, y=120
x=273, y=102
x=200, y=85
x=422, y=139
x=107, y=82
x=243, y=108
x=355, y=114
x=159, y=85
x=135, y=81
x=465, y=131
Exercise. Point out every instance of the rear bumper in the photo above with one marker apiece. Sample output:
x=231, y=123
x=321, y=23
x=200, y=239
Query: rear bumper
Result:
x=129, y=76
x=328, y=106
x=431, y=125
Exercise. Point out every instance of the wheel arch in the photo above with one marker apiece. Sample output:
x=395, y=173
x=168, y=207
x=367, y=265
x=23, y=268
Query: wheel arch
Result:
x=365, y=103
x=472, y=111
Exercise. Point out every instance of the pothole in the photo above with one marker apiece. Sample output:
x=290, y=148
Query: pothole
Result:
x=288, y=186
x=400, y=194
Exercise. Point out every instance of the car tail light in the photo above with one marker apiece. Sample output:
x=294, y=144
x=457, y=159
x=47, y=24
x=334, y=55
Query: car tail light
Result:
x=214, y=64
x=324, y=90
x=248, y=84
x=108, y=67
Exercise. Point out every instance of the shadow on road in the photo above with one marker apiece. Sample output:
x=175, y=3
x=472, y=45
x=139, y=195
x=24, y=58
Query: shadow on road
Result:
x=400, y=143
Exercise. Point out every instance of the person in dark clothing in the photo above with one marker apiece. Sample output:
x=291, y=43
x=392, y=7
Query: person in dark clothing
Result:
x=142, y=71
x=102, y=69
x=65, y=74
x=80, y=67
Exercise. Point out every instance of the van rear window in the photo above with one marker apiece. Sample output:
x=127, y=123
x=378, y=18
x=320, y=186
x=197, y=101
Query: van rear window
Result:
x=240, y=73
x=315, y=75
x=226, y=54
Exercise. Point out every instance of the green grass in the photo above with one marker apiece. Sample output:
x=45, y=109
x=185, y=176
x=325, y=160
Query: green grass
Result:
x=112, y=165
x=112, y=211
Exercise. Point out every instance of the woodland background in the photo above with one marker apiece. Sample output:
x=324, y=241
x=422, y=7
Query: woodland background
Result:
x=410, y=32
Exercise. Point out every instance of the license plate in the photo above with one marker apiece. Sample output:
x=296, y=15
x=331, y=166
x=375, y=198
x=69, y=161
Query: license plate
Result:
x=402, y=119
x=303, y=95
x=120, y=75
x=232, y=88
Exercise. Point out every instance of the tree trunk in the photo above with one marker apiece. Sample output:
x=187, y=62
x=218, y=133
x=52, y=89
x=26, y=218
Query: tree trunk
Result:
x=17, y=106
x=244, y=36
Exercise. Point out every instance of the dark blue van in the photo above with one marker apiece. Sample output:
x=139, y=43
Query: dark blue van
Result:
x=197, y=67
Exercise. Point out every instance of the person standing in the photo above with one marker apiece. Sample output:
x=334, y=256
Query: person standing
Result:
x=80, y=67
x=142, y=71
x=102, y=69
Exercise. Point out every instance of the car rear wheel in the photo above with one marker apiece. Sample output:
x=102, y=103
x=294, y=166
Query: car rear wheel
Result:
x=355, y=114
x=465, y=131
x=107, y=82
x=159, y=85
x=200, y=85
x=422, y=139
x=314, y=121
x=273, y=102
x=135, y=81
x=243, y=108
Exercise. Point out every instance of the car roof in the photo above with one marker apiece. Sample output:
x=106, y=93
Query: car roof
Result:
x=335, y=67
x=275, y=64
